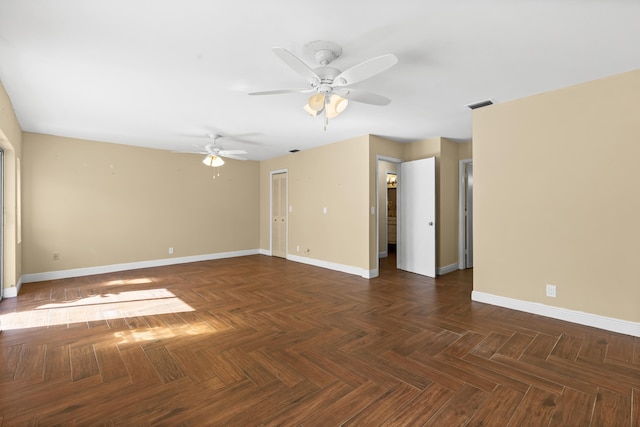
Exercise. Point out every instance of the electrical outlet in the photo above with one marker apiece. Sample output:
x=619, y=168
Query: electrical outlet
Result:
x=170, y=251
x=56, y=256
x=298, y=248
x=551, y=291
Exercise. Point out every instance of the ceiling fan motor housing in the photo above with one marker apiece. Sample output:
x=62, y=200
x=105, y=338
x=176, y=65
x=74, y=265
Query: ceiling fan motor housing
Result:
x=327, y=74
x=324, y=52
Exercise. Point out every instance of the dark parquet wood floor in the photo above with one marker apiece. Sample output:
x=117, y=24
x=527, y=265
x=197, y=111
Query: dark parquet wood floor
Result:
x=261, y=341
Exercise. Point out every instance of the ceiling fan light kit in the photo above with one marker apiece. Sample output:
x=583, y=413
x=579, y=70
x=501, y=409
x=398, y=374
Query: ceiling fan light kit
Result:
x=213, y=161
x=316, y=102
x=329, y=84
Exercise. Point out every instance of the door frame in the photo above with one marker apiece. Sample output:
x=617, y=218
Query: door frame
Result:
x=462, y=193
x=286, y=243
x=377, y=219
x=385, y=214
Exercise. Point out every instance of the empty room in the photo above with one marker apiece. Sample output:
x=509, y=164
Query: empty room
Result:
x=343, y=213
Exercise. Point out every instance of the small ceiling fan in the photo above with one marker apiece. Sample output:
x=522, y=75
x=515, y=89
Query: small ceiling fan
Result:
x=214, y=152
x=331, y=87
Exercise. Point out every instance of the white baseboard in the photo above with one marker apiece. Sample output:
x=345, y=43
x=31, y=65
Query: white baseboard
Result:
x=266, y=252
x=607, y=323
x=11, y=292
x=447, y=269
x=77, y=272
x=383, y=254
x=367, y=274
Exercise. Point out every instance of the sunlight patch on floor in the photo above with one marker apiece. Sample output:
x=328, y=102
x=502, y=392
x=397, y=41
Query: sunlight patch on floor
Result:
x=140, y=281
x=156, y=333
x=111, y=306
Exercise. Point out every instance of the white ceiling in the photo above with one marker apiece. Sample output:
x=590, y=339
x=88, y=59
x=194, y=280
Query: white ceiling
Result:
x=163, y=73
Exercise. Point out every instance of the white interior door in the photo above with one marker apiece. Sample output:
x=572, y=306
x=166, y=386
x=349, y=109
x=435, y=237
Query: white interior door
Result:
x=416, y=234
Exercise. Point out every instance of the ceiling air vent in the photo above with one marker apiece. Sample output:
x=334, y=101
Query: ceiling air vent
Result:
x=480, y=104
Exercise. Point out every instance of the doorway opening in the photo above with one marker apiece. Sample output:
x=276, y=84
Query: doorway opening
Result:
x=392, y=205
x=415, y=246
x=386, y=169
x=465, y=216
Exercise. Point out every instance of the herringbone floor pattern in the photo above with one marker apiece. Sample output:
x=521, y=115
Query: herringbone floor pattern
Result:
x=261, y=341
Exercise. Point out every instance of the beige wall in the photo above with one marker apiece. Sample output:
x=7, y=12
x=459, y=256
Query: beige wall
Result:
x=11, y=143
x=332, y=176
x=101, y=204
x=448, y=204
x=556, y=197
x=465, y=150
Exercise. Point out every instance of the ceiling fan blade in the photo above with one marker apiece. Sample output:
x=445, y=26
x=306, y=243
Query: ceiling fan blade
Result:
x=240, y=137
x=199, y=147
x=297, y=64
x=189, y=152
x=232, y=156
x=232, y=152
x=365, y=70
x=362, y=96
x=279, y=91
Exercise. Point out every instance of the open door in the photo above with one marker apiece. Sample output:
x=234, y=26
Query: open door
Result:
x=416, y=230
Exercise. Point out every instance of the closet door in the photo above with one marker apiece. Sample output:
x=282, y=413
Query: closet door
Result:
x=279, y=215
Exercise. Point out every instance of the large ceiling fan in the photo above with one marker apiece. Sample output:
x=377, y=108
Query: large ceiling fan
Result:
x=331, y=88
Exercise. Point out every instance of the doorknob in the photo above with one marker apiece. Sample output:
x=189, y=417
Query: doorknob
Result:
x=431, y=223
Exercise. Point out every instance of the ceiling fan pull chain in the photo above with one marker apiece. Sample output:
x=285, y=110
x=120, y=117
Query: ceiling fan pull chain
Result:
x=326, y=118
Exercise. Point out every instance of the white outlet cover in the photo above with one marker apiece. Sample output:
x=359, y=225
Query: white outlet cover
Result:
x=551, y=291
